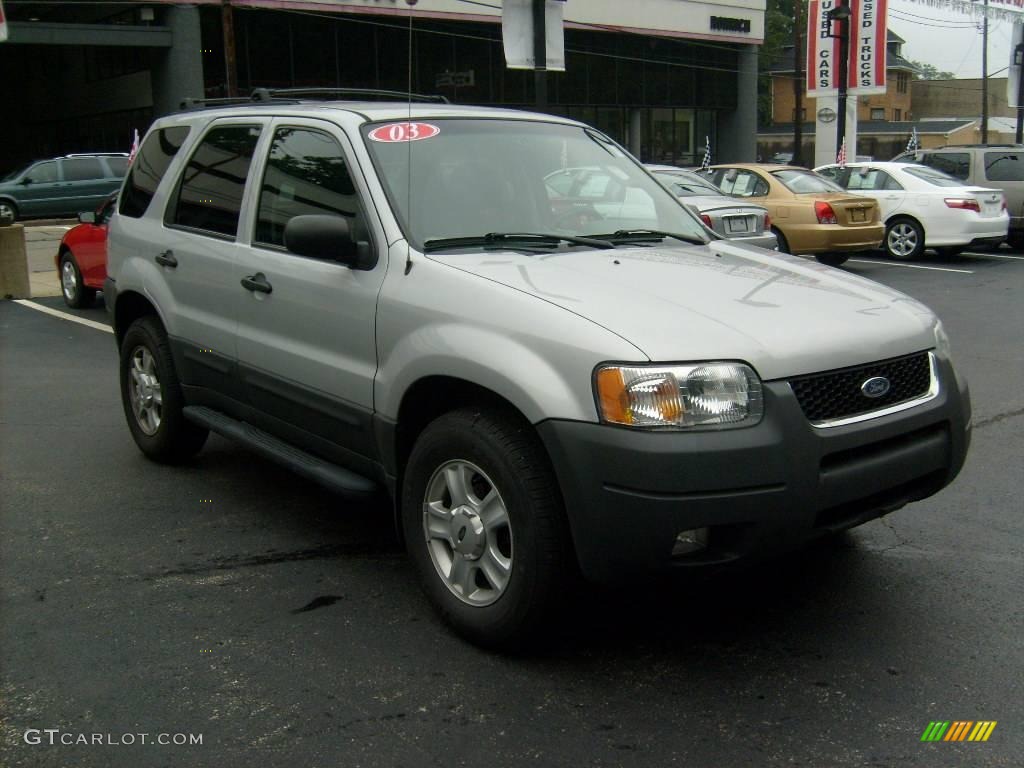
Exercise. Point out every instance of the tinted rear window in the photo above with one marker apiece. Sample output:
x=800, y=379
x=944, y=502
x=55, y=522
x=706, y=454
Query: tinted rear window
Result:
x=210, y=191
x=1004, y=166
x=82, y=169
x=149, y=167
x=934, y=177
x=956, y=164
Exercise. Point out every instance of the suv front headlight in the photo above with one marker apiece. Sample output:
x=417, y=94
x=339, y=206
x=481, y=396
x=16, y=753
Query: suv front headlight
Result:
x=714, y=395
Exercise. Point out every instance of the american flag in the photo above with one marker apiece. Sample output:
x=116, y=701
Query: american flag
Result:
x=913, y=143
x=841, y=157
x=135, y=146
x=705, y=164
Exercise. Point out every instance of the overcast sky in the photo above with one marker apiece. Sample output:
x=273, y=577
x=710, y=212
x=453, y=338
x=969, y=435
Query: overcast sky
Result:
x=948, y=40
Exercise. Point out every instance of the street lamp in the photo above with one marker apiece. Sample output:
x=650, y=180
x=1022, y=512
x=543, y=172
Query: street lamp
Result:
x=841, y=13
x=1018, y=62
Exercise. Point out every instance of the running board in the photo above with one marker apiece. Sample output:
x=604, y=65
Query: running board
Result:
x=333, y=477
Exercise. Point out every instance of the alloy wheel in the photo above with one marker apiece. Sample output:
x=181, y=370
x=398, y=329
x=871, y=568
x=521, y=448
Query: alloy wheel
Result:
x=144, y=391
x=69, y=280
x=902, y=240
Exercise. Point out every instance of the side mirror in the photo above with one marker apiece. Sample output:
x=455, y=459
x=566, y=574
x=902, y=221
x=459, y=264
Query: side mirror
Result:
x=87, y=217
x=25, y=181
x=326, y=237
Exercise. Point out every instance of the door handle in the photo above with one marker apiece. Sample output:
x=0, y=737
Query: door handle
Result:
x=257, y=283
x=166, y=259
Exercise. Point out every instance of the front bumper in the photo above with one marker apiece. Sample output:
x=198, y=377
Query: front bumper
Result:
x=629, y=493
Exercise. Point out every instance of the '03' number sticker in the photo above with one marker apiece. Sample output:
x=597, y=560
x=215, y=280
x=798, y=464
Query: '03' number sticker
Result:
x=399, y=132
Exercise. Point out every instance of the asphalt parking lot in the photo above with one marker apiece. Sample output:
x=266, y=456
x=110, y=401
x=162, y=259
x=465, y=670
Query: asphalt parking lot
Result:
x=230, y=600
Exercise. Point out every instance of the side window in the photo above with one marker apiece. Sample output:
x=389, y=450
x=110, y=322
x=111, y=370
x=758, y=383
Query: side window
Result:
x=149, y=167
x=832, y=172
x=43, y=173
x=957, y=164
x=1004, y=166
x=888, y=182
x=82, y=169
x=209, y=196
x=306, y=174
x=106, y=212
x=743, y=184
x=118, y=166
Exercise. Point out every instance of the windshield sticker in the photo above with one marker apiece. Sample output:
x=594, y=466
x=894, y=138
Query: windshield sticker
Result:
x=401, y=132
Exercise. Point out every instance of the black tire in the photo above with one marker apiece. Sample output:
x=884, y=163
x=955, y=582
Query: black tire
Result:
x=904, y=239
x=173, y=440
x=8, y=208
x=951, y=251
x=75, y=294
x=508, y=454
x=832, y=259
x=1016, y=242
x=783, y=242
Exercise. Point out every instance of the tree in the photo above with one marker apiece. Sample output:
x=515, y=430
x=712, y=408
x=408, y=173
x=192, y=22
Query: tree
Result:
x=778, y=33
x=929, y=72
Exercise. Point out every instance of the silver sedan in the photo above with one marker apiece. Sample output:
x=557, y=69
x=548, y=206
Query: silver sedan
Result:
x=721, y=213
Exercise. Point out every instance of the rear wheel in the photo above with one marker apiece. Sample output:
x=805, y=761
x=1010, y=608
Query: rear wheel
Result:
x=484, y=525
x=783, y=243
x=904, y=240
x=8, y=211
x=151, y=395
x=75, y=294
x=832, y=259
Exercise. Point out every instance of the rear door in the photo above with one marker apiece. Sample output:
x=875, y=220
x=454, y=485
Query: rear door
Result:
x=1004, y=170
x=85, y=184
x=306, y=343
x=878, y=185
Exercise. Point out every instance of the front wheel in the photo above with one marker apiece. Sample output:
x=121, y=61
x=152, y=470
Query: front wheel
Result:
x=783, y=243
x=151, y=395
x=904, y=240
x=832, y=259
x=8, y=212
x=484, y=525
x=75, y=294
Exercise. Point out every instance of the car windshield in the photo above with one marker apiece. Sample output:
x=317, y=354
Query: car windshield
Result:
x=15, y=173
x=932, y=176
x=476, y=177
x=805, y=182
x=687, y=184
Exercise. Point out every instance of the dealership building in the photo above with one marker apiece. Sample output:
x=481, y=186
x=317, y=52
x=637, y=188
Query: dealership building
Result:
x=657, y=75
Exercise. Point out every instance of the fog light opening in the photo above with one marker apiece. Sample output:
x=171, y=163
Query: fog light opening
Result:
x=690, y=541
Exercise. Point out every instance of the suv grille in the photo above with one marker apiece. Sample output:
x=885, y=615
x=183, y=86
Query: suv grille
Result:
x=837, y=394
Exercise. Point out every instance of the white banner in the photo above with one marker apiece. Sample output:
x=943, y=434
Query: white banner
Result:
x=517, y=34
x=1013, y=73
x=866, y=62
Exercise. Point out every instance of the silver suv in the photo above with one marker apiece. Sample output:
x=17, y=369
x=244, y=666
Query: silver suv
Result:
x=1000, y=166
x=389, y=297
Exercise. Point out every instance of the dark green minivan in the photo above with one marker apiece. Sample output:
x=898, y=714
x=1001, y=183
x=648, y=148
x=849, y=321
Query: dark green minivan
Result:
x=63, y=186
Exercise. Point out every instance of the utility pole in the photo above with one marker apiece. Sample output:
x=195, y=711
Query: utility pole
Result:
x=798, y=82
x=540, y=54
x=984, y=77
x=227, y=17
x=841, y=15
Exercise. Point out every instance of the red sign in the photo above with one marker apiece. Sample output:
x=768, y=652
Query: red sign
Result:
x=866, y=63
x=401, y=132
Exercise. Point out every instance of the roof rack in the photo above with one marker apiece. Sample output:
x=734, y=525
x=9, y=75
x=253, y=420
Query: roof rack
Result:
x=298, y=95
x=994, y=146
x=97, y=154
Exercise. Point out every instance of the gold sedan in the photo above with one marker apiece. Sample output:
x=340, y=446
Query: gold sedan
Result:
x=809, y=213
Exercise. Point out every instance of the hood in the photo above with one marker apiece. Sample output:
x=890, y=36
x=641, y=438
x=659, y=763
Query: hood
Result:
x=783, y=315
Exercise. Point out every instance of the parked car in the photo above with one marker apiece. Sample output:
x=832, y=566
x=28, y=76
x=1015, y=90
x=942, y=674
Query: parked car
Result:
x=724, y=215
x=82, y=257
x=810, y=214
x=62, y=186
x=384, y=297
x=925, y=208
x=997, y=166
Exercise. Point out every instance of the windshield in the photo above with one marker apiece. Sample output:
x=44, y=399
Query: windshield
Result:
x=472, y=177
x=801, y=182
x=15, y=173
x=932, y=176
x=687, y=184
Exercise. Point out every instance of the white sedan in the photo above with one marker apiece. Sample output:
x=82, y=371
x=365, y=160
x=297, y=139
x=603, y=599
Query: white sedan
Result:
x=925, y=208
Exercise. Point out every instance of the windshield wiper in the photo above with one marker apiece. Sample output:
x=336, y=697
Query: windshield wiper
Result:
x=648, y=234
x=505, y=238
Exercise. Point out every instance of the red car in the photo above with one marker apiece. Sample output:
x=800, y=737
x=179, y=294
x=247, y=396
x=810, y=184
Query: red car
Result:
x=82, y=257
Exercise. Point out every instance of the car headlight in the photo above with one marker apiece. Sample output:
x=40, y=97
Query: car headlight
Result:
x=942, y=346
x=716, y=395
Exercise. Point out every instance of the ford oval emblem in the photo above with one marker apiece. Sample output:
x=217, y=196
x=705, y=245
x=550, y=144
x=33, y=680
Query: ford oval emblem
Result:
x=876, y=386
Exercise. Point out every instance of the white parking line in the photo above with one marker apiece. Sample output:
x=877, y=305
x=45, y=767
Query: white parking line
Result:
x=992, y=256
x=64, y=315
x=913, y=266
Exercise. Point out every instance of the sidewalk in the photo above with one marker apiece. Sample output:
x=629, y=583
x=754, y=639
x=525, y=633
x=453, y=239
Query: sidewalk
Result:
x=42, y=239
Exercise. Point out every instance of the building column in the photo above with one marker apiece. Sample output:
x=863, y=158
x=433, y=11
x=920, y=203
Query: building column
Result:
x=178, y=73
x=636, y=132
x=737, y=130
